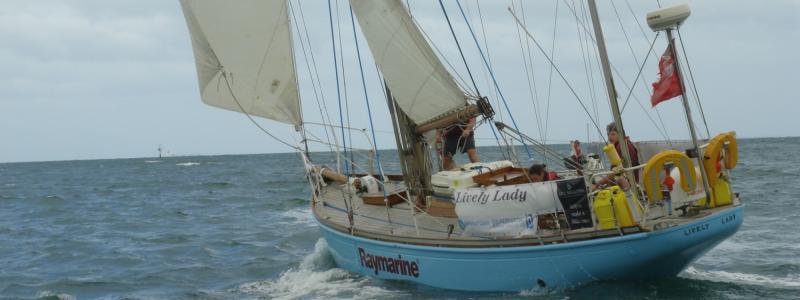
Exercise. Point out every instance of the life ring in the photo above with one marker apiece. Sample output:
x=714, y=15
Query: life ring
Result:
x=655, y=166
x=714, y=150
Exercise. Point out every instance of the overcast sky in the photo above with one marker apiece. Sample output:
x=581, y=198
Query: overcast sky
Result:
x=111, y=79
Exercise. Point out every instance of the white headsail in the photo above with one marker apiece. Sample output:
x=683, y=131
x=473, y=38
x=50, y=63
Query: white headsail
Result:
x=244, y=56
x=422, y=86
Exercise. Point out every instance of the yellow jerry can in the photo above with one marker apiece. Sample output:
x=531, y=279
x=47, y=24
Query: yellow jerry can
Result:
x=624, y=212
x=603, y=210
x=722, y=194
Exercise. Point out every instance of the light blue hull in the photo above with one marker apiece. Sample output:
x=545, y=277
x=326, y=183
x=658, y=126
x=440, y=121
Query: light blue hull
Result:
x=642, y=255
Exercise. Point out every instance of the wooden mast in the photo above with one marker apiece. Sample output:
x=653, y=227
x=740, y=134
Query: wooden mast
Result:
x=612, y=95
x=411, y=150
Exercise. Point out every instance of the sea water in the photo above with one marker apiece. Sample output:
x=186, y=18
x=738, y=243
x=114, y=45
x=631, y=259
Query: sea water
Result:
x=240, y=227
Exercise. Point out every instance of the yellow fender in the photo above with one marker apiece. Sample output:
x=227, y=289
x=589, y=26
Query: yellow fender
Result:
x=714, y=150
x=655, y=166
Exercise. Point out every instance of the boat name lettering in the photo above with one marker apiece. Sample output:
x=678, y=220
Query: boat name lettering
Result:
x=728, y=219
x=695, y=229
x=484, y=196
x=393, y=265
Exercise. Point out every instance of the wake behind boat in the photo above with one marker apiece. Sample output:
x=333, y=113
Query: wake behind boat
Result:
x=483, y=226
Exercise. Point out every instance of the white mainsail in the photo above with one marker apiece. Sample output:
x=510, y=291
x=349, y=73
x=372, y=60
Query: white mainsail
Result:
x=421, y=85
x=244, y=56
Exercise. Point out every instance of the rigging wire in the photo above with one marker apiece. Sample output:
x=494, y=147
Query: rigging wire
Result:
x=528, y=62
x=320, y=105
x=224, y=74
x=316, y=74
x=589, y=64
x=344, y=76
x=287, y=8
x=636, y=20
x=458, y=45
x=613, y=68
x=550, y=77
x=630, y=92
x=506, y=154
x=369, y=113
x=694, y=86
x=488, y=53
x=460, y=81
x=486, y=63
x=235, y=99
x=628, y=41
x=640, y=75
x=464, y=59
x=348, y=196
x=585, y=57
x=338, y=89
x=574, y=93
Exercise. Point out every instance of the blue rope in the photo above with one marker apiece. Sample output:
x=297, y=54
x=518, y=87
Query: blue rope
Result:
x=446, y=17
x=494, y=80
x=366, y=99
x=450, y=25
x=338, y=90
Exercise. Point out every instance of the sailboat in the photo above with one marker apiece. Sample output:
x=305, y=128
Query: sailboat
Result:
x=484, y=226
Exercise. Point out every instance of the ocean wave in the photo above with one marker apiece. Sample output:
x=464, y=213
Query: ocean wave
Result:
x=538, y=292
x=743, y=278
x=52, y=198
x=316, y=278
x=48, y=295
x=296, y=217
x=152, y=161
x=187, y=164
x=219, y=184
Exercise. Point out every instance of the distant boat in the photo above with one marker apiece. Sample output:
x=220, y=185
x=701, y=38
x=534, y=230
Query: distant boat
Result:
x=486, y=226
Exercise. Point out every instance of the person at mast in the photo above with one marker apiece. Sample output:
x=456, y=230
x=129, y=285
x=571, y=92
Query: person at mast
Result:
x=613, y=138
x=459, y=137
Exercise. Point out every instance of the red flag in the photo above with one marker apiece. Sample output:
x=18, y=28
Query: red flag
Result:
x=668, y=85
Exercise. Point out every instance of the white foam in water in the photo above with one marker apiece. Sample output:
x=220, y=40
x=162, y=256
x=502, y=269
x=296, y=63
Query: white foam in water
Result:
x=151, y=161
x=754, y=279
x=50, y=294
x=317, y=278
x=536, y=292
x=187, y=164
x=299, y=217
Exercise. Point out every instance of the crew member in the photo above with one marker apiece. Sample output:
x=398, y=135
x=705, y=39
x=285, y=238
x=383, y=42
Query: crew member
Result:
x=538, y=173
x=613, y=138
x=459, y=138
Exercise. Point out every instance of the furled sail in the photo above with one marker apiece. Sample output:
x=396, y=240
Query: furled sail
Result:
x=421, y=85
x=244, y=56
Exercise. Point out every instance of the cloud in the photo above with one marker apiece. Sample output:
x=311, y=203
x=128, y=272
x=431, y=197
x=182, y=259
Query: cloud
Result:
x=102, y=79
